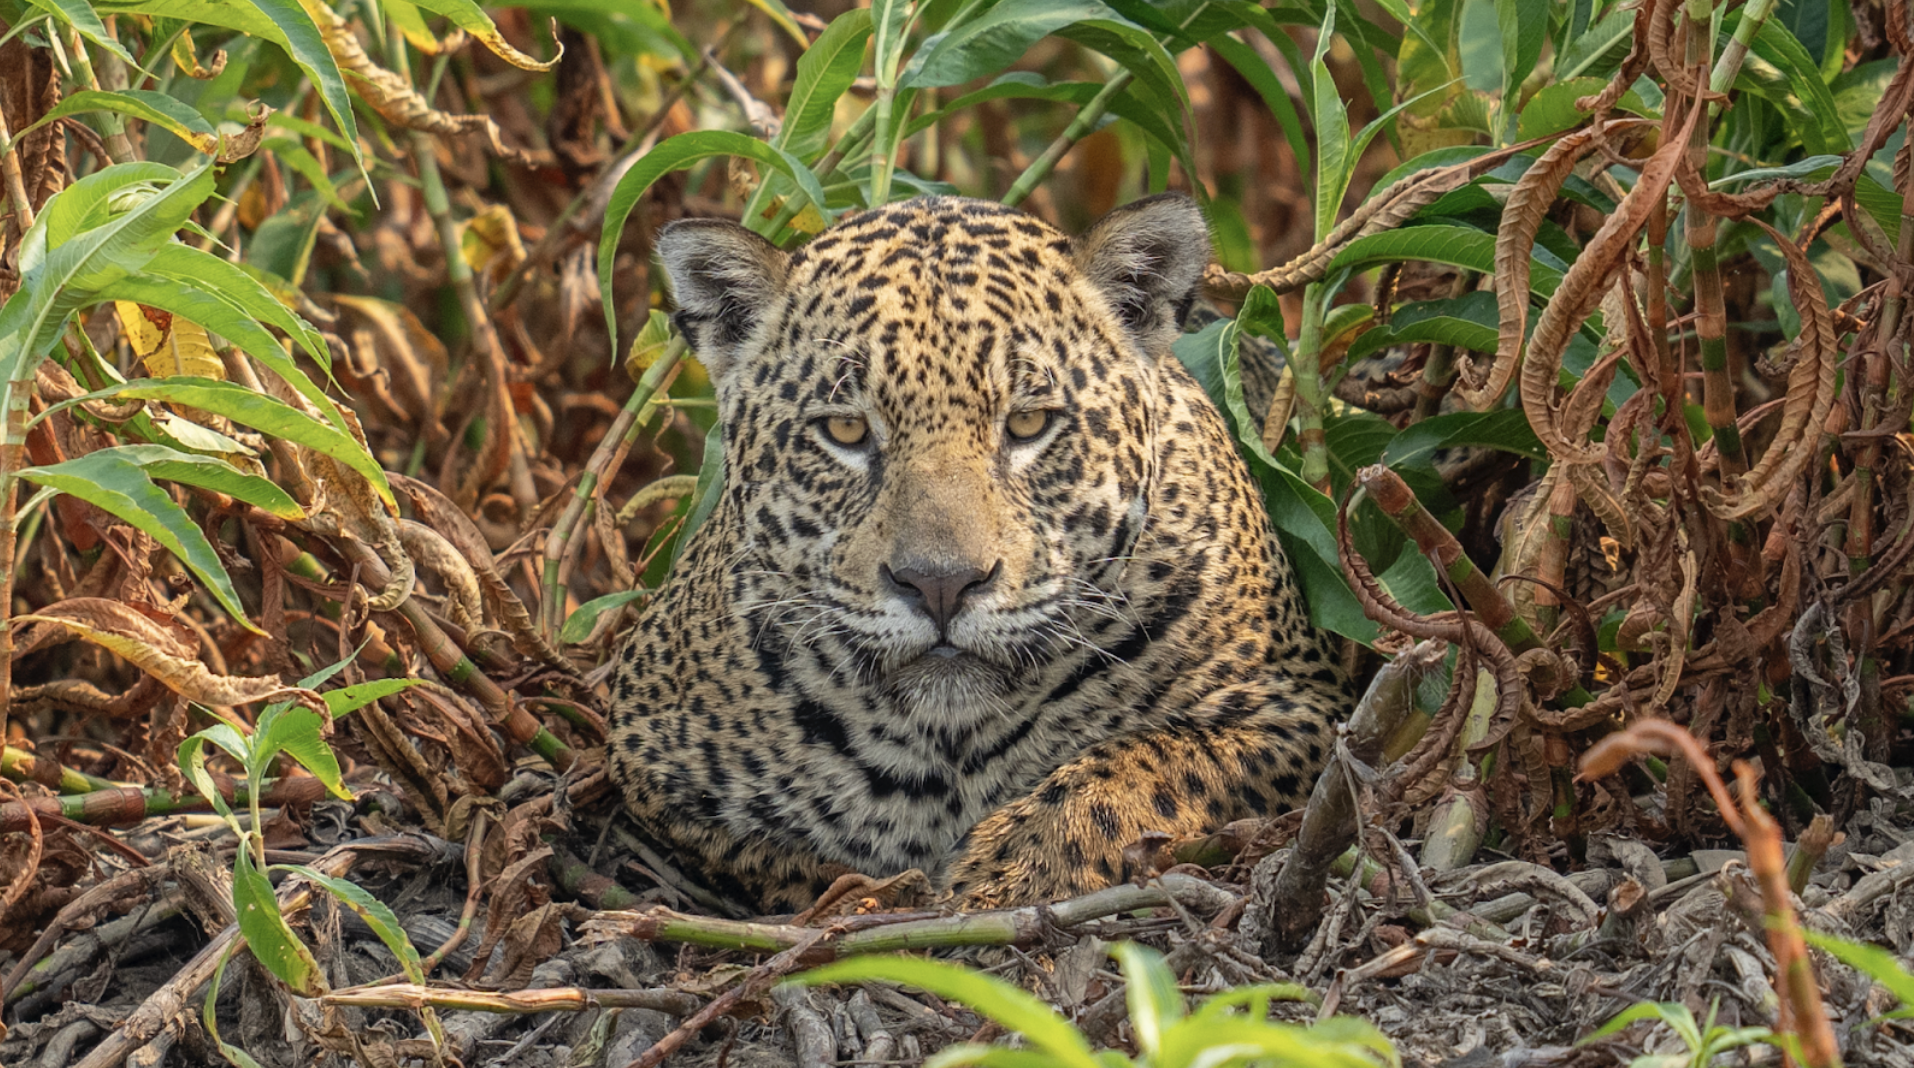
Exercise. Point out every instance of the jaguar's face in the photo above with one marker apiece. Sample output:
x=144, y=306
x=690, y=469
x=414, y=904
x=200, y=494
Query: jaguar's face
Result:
x=937, y=425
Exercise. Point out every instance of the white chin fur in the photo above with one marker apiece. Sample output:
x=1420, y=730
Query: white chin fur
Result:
x=944, y=688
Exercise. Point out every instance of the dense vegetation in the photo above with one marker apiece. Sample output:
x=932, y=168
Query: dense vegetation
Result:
x=322, y=323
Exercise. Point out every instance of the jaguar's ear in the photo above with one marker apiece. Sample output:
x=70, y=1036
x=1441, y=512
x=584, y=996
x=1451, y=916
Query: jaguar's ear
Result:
x=1148, y=258
x=724, y=277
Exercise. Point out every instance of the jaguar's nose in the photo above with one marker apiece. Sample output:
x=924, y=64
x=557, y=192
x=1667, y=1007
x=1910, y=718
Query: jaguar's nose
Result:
x=939, y=591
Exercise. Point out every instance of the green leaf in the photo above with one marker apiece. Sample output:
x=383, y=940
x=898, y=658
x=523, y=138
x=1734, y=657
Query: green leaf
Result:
x=1812, y=168
x=968, y=1053
x=1334, y=163
x=377, y=915
x=81, y=16
x=1458, y=246
x=1249, y=996
x=232, y=283
x=985, y=46
x=469, y=17
x=579, y=624
x=1824, y=133
x=1600, y=49
x=1238, y=1040
x=206, y=304
x=192, y=756
x=284, y=23
x=824, y=72
x=1553, y=109
x=266, y=931
x=1507, y=430
x=268, y=415
x=676, y=154
x=1156, y=1005
x=89, y=203
x=146, y=105
x=1877, y=963
x=1012, y=1007
x=60, y=277
x=1467, y=322
x=710, y=488
x=207, y=472
x=111, y=482
x=296, y=733
x=348, y=699
x=1672, y=1013
x=1880, y=202
x=1524, y=26
x=1137, y=50
x=209, y=1015
x=1030, y=86
x=889, y=20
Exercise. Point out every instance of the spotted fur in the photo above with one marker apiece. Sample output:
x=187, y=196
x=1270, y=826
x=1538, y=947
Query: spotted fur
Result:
x=942, y=647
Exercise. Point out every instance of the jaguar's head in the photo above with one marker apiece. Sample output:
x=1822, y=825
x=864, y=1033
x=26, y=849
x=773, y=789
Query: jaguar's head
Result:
x=939, y=431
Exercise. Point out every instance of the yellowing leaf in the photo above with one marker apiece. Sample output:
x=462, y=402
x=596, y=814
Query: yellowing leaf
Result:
x=167, y=344
x=150, y=646
x=406, y=17
x=489, y=242
x=649, y=344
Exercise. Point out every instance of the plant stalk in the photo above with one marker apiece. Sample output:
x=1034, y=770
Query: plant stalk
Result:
x=484, y=334
x=1085, y=121
x=1711, y=310
x=568, y=533
x=1310, y=395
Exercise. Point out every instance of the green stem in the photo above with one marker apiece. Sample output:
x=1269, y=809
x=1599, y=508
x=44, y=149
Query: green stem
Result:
x=1735, y=51
x=568, y=533
x=1399, y=503
x=1079, y=127
x=1310, y=396
x=112, y=127
x=852, y=142
x=484, y=335
x=22, y=766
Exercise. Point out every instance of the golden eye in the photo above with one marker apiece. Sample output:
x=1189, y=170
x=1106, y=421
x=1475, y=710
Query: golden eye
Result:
x=846, y=429
x=1026, y=425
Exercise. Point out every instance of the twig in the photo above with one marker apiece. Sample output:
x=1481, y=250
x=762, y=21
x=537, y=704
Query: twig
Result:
x=761, y=977
x=168, y=1004
x=568, y=533
x=885, y=934
x=516, y=1002
x=1800, y=992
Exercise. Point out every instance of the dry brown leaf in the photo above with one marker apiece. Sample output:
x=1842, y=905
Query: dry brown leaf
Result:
x=156, y=650
x=1810, y=395
x=392, y=95
x=1522, y=217
x=427, y=547
x=1661, y=32
x=1631, y=68
x=1584, y=286
x=414, y=356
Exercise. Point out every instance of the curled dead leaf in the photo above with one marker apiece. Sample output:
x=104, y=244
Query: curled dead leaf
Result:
x=153, y=648
x=1810, y=395
x=1583, y=288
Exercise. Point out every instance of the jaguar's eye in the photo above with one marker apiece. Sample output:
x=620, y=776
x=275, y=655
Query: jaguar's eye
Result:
x=846, y=429
x=1023, y=426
